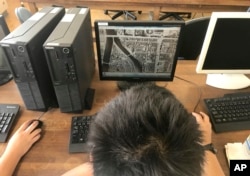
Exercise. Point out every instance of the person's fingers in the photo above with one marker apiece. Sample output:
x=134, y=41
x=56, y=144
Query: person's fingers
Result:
x=201, y=116
x=36, y=138
x=205, y=117
x=197, y=116
x=205, y=126
x=32, y=126
x=36, y=132
x=24, y=126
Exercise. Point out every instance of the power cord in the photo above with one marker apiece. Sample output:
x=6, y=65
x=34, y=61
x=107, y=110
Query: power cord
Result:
x=43, y=113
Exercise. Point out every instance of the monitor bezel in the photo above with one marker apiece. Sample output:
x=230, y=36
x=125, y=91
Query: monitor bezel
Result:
x=5, y=73
x=6, y=31
x=180, y=24
x=210, y=30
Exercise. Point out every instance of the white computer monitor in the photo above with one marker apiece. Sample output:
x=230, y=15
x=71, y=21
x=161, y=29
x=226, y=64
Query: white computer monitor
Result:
x=225, y=54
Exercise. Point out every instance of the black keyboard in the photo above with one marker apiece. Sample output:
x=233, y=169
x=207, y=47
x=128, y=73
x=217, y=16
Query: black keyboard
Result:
x=230, y=112
x=8, y=115
x=79, y=133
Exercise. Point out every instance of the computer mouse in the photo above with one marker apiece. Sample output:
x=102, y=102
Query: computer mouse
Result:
x=40, y=123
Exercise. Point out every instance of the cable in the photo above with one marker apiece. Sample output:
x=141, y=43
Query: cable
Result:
x=199, y=88
x=42, y=114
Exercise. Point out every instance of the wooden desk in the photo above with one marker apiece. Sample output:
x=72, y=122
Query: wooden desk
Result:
x=50, y=155
x=153, y=6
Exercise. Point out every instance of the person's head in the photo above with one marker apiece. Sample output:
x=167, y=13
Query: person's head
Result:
x=146, y=131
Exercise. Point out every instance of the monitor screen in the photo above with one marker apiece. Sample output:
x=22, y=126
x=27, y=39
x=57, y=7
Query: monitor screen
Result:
x=5, y=75
x=225, y=54
x=137, y=50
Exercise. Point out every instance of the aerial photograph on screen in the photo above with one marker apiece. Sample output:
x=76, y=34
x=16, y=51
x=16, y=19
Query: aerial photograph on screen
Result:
x=137, y=50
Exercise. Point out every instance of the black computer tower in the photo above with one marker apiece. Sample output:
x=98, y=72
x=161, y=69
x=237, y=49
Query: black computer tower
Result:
x=70, y=56
x=24, y=51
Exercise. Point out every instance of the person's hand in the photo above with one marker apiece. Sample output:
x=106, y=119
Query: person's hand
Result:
x=23, y=139
x=205, y=126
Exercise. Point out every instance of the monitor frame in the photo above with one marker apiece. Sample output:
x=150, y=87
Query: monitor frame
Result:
x=5, y=73
x=225, y=78
x=133, y=24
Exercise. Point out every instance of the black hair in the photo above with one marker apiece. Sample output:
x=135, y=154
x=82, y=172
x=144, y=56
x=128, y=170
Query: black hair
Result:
x=146, y=131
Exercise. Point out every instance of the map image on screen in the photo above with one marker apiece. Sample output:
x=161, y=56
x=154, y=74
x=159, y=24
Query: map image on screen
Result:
x=131, y=51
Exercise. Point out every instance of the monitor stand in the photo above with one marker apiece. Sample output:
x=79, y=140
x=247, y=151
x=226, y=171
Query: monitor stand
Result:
x=5, y=77
x=228, y=81
x=124, y=85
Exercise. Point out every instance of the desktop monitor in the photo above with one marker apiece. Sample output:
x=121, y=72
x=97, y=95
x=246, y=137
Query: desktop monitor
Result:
x=5, y=74
x=225, y=54
x=137, y=51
